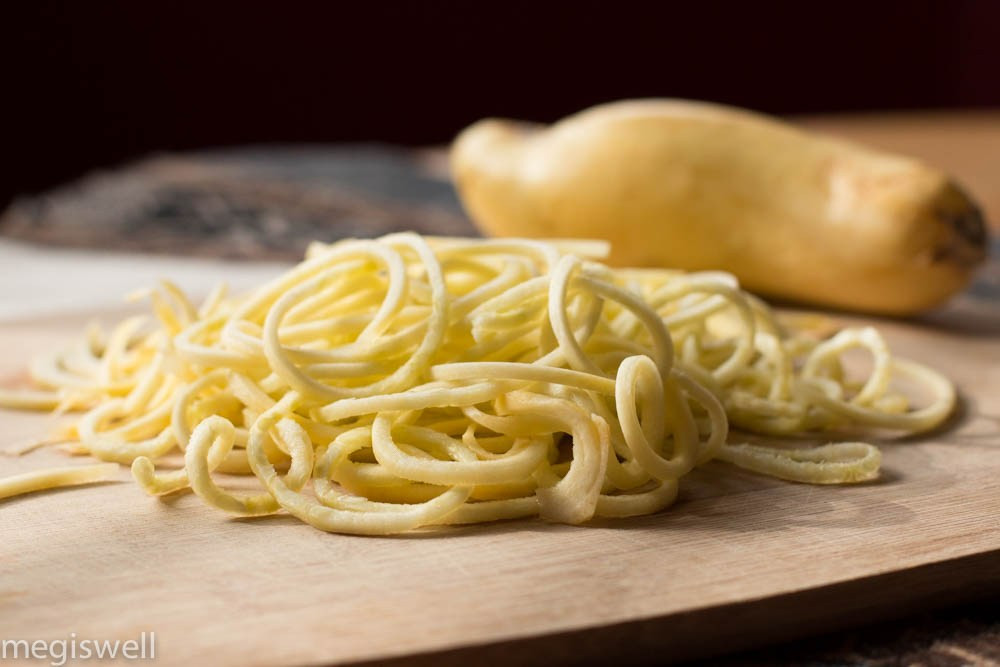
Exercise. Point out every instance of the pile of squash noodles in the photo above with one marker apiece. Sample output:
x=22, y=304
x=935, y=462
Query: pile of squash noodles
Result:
x=383, y=385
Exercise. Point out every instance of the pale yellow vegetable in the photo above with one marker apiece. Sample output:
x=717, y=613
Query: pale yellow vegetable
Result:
x=55, y=478
x=696, y=186
x=383, y=385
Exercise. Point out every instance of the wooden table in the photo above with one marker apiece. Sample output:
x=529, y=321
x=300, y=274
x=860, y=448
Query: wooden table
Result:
x=107, y=560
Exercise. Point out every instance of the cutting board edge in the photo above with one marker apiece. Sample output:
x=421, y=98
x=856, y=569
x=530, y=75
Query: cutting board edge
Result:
x=732, y=627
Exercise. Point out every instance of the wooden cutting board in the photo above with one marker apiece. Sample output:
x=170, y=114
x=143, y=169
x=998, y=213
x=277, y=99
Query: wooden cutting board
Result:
x=739, y=560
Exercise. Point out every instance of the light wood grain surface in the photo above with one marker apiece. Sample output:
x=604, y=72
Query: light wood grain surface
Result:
x=106, y=561
x=738, y=561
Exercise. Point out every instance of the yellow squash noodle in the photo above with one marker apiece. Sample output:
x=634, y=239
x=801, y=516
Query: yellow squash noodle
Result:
x=383, y=385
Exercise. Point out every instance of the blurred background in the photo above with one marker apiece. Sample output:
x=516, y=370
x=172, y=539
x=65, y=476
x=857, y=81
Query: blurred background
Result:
x=245, y=130
x=94, y=84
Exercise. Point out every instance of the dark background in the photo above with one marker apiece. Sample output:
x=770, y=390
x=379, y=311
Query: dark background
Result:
x=91, y=84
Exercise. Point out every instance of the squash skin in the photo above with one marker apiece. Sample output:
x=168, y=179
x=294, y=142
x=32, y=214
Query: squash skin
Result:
x=696, y=186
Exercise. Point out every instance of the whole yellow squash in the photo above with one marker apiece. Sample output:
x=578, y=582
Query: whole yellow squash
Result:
x=691, y=185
